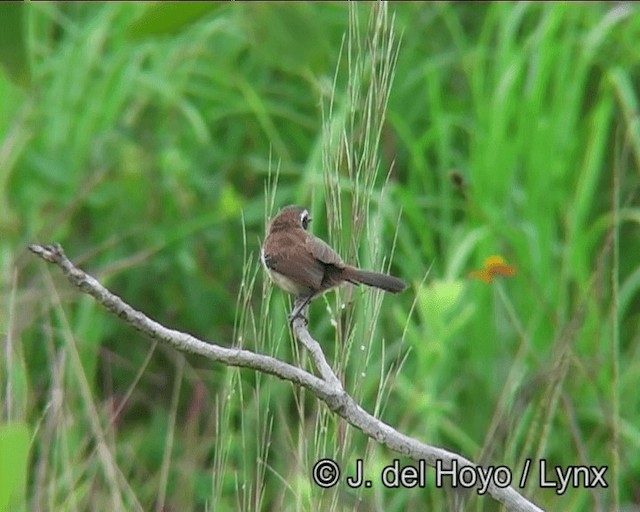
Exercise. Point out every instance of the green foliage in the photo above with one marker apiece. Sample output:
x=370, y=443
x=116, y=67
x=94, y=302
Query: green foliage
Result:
x=147, y=142
x=14, y=55
x=14, y=455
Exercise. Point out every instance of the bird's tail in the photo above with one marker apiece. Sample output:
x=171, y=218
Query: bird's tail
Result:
x=377, y=280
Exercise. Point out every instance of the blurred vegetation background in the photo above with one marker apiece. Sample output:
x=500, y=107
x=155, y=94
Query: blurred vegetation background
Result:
x=145, y=138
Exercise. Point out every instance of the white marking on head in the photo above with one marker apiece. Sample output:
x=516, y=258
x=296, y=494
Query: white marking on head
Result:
x=305, y=219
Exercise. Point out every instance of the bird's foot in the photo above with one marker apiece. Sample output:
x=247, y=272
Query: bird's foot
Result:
x=299, y=314
x=299, y=310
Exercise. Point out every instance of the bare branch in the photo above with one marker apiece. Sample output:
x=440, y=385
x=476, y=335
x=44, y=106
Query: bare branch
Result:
x=178, y=340
x=317, y=355
x=328, y=388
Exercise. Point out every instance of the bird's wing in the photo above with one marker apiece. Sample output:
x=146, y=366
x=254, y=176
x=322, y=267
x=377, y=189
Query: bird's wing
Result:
x=322, y=252
x=307, y=271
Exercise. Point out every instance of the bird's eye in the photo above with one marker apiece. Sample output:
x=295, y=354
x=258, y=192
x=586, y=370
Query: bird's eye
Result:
x=305, y=219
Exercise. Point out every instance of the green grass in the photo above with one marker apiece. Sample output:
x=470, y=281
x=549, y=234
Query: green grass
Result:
x=148, y=143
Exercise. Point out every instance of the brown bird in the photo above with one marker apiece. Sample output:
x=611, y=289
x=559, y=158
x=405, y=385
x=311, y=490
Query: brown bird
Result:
x=306, y=266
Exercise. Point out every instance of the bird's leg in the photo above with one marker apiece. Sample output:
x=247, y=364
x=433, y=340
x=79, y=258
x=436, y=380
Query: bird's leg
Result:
x=299, y=304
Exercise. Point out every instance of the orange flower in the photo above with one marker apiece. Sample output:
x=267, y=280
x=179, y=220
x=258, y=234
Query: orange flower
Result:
x=493, y=266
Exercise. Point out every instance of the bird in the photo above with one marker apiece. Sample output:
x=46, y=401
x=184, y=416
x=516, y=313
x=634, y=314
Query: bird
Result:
x=306, y=266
